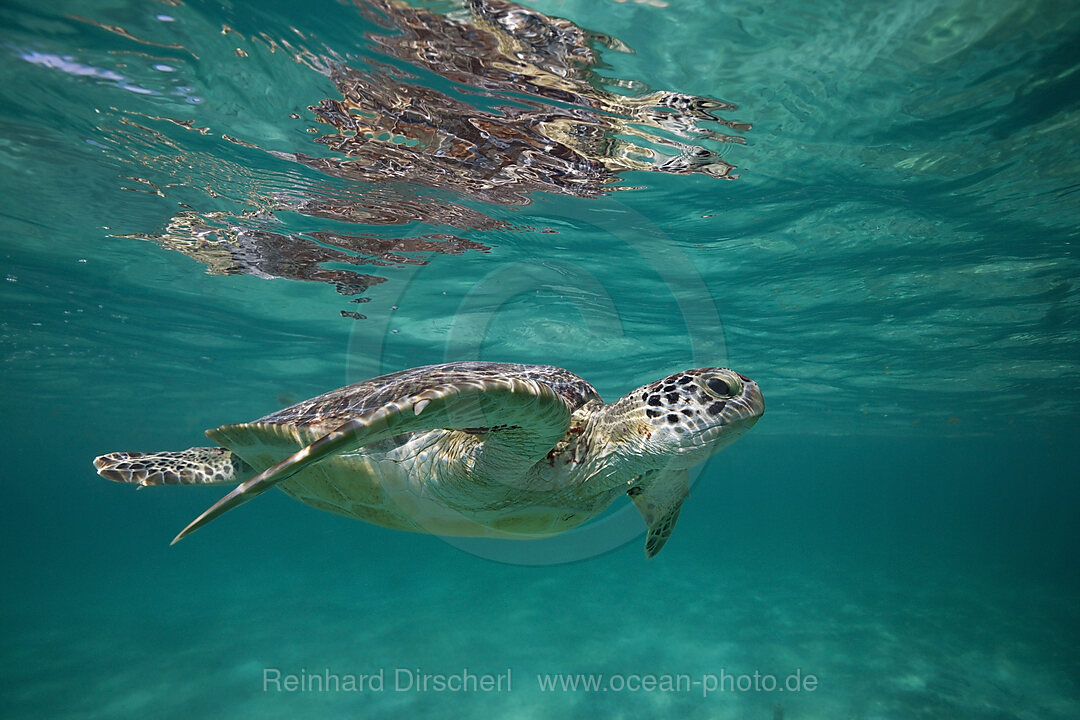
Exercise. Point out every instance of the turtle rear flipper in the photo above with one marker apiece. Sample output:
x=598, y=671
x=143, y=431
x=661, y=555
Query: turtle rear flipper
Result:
x=194, y=466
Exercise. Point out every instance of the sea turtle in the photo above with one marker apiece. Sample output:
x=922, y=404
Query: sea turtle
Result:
x=474, y=449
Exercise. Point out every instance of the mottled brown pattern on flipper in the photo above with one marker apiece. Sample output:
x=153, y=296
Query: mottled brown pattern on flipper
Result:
x=194, y=466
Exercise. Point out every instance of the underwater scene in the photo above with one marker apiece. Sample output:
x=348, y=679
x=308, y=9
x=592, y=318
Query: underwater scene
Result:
x=800, y=275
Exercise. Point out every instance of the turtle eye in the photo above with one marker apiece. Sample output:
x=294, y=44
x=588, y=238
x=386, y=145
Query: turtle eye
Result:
x=719, y=387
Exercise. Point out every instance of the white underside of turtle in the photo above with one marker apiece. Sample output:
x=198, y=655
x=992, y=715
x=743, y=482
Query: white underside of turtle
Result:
x=471, y=449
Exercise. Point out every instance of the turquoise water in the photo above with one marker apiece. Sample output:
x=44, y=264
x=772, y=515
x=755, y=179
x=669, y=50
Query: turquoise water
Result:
x=869, y=208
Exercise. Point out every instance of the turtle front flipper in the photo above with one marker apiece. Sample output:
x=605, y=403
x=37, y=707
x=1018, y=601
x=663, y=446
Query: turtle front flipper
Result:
x=194, y=466
x=659, y=498
x=522, y=420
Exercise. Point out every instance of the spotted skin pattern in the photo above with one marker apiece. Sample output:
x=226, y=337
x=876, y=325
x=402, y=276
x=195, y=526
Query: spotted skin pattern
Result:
x=683, y=403
x=471, y=449
x=195, y=466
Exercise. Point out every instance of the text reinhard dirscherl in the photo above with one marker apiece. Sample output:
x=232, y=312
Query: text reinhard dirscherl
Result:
x=465, y=680
x=397, y=680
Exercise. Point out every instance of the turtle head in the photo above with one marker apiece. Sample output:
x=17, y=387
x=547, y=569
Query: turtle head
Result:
x=685, y=418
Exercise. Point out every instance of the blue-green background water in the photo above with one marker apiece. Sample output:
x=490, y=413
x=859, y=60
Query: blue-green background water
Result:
x=895, y=266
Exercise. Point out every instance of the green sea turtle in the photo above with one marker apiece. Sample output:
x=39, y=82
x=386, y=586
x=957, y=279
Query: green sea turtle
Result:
x=471, y=449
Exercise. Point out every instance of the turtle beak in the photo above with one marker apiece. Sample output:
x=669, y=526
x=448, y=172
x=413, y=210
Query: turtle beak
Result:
x=740, y=413
x=743, y=412
x=755, y=402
